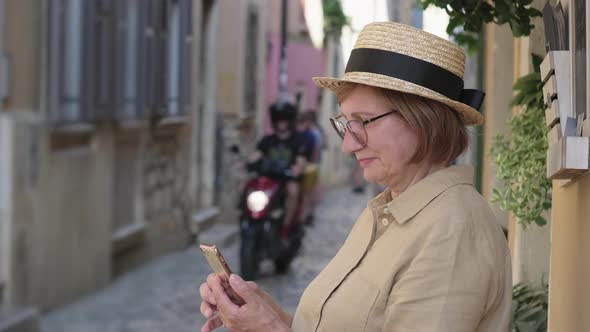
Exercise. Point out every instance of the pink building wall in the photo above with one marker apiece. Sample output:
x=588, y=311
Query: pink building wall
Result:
x=304, y=62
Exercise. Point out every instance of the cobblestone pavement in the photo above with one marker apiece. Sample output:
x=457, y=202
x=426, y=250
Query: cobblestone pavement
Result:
x=163, y=295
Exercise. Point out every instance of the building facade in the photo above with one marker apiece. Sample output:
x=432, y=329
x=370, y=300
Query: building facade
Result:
x=102, y=154
x=240, y=71
x=558, y=252
x=507, y=59
x=117, y=122
x=304, y=59
x=569, y=294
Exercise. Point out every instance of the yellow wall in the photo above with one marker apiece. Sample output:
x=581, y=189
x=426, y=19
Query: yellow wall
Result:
x=498, y=73
x=530, y=246
x=569, y=242
x=23, y=51
x=569, y=291
x=230, y=54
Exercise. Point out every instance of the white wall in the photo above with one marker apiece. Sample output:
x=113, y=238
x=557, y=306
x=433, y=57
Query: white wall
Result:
x=5, y=196
x=4, y=171
x=360, y=13
x=3, y=61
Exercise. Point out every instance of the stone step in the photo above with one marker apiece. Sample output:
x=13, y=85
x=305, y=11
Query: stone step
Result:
x=221, y=235
x=23, y=319
x=203, y=219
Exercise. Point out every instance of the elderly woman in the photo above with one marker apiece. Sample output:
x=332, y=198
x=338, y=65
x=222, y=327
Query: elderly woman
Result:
x=427, y=253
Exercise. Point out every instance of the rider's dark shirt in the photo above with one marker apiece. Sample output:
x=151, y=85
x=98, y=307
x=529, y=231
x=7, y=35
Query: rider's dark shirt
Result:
x=283, y=152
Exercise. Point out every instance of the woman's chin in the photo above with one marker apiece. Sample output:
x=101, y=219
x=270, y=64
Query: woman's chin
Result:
x=372, y=177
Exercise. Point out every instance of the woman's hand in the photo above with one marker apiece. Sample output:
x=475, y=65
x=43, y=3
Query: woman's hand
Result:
x=260, y=313
x=209, y=308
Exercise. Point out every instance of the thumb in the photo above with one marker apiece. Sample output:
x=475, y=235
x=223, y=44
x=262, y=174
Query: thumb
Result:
x=243, y=288
x=252, y=285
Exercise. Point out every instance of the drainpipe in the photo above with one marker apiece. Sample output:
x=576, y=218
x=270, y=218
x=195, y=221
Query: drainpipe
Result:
x=4, y=74
x=4, y=170
x=283, y=75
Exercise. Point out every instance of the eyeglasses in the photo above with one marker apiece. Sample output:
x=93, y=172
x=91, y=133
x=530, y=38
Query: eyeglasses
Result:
x=355, y=127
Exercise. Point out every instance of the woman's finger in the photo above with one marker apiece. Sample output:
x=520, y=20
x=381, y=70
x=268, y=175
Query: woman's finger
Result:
x=207, y=310
x=212, y=324
x=244, y=289
x=206, y=294
x=252, y=285
x=211, y=279
x=224, y=303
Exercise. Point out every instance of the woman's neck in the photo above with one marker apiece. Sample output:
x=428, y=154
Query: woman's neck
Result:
x=420, y=173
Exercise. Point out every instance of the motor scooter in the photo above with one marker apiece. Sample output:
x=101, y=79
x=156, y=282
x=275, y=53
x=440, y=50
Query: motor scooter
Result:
x=264, y=232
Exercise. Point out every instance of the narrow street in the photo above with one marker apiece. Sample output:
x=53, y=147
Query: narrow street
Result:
x=163, y=295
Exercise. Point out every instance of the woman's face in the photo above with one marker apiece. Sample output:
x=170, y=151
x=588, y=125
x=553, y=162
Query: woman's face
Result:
x=390, y=141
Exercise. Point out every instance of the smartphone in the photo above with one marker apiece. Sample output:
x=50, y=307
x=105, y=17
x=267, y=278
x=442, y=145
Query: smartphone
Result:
x=220, y=267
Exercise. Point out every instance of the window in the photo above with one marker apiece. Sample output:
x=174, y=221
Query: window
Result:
x=65, y=62
x=168, y=48
x=81, y=60
x=99, y=58
x=179, y=59
x=186, y=51
x=174, y=40
x=129, y=62
x=155, y=33
x=118, y=59
x=251, y=62
x=578, y=47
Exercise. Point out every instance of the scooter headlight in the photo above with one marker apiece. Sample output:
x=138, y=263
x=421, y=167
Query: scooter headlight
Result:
x=257, y=201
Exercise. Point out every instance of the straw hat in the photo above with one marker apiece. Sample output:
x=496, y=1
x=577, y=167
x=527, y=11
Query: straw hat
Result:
x=399, y=57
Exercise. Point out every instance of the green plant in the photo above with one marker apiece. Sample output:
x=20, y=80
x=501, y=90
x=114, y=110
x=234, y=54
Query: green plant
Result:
x=466, y=17
x=520, y=158
x=529, y=308
x=334, y=18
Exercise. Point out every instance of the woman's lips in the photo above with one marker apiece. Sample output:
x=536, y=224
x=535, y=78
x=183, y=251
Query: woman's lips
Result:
x=364, y=162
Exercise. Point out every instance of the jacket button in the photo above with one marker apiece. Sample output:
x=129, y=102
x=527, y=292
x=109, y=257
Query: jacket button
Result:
x=385, y=222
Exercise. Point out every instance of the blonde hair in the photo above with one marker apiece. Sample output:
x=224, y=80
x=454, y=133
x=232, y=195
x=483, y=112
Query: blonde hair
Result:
x=442, y=136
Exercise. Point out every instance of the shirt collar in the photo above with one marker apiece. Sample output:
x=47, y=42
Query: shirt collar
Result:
x=417, y=196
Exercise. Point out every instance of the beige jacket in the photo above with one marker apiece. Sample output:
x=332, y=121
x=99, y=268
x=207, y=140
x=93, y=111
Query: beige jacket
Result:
x=432, y=260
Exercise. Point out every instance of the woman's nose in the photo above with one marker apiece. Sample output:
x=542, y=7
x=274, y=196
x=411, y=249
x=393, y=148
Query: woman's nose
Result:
x=350, y=144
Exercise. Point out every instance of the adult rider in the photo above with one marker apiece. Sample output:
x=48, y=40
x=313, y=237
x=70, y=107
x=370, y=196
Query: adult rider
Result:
x=284, y=150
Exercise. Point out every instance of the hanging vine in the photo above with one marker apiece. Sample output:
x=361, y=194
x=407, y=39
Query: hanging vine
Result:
x=467, y=17
x=334, y=18
x=520, y=158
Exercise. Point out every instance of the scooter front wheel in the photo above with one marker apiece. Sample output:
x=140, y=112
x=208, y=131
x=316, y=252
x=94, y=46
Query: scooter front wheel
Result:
x=282, y=264
x=248, y=260
x=291, y=250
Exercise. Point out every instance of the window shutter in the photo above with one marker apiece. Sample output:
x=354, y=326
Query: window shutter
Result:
x=123, y=110
x=161, y=52
x=186, y=48
x=100, y=55
x=145, y=58
x=150, y=68
x=88, y=59
x=251, y=61
x=129, y=73
x=65, y=91
x=55, y=74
